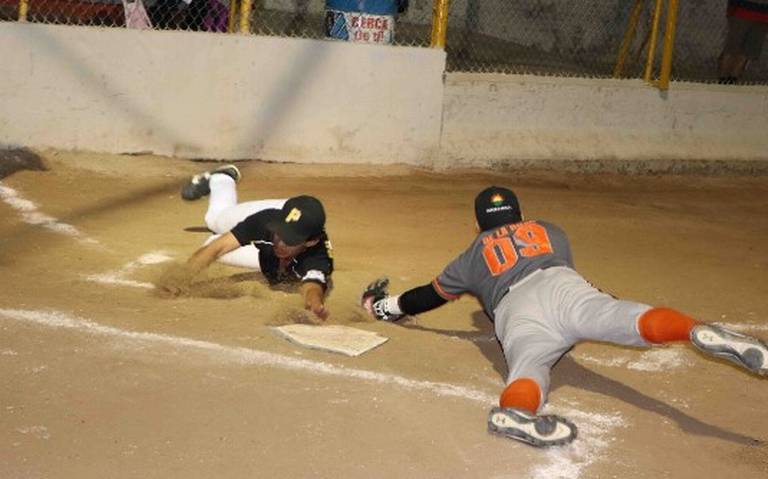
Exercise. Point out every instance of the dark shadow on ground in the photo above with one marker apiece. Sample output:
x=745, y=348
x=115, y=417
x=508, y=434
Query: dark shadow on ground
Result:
x=18, y=159
x=26, y=236
x=197, y=229
x=570, y=373
x=484, y=338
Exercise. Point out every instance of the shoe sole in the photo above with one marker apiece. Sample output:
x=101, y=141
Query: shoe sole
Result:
x=528, y=429
x=747, y=352
x=224, y=169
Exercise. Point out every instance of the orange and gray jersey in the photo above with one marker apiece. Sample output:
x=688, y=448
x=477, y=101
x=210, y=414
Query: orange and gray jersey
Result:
x=501, y=258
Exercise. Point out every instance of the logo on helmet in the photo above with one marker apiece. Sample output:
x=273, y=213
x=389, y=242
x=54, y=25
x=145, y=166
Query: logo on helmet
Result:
x=497, y=199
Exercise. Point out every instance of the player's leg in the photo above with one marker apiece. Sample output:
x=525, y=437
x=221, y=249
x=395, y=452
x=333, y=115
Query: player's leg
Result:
x=518, y=415
x=244, y=257
x=664, y=325
x=198, y=185
x=590, y=314
x=224, y=212
x=531, y=348
x=223, y=196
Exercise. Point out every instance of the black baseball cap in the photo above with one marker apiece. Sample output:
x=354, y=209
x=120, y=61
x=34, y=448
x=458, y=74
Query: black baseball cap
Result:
x=301, y=218
x=496, y=206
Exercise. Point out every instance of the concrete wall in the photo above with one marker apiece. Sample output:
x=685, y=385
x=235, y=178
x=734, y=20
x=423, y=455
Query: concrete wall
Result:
x=224, y=96
x=505, y=119
x=230, y=96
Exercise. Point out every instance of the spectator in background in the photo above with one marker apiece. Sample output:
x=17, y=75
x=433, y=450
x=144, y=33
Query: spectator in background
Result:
x=747, y=28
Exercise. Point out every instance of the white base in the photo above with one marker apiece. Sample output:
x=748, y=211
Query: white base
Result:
x=333, y=338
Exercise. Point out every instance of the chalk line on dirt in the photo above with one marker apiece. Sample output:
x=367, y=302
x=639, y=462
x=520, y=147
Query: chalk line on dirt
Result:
x=656, y=359
x=118, y=277
x=566, y=462
x=30, y=214
x=595, y=436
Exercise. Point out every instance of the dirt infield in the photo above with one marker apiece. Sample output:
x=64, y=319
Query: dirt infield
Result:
x=104, y=377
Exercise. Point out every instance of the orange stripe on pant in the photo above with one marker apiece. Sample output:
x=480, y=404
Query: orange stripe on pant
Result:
x=523, y=393
x=662, y=325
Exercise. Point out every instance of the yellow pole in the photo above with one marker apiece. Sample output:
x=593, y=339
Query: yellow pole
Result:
x=652, y=44
x=231, y=20
x=669, y=43
x=629, y=35
x=245, y=16
x=23, y=9
x=439, y=23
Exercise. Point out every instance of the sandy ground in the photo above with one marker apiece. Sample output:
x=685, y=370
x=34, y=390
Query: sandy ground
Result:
x=104, y=377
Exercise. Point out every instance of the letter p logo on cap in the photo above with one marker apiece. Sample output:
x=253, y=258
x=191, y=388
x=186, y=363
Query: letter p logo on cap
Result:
x=294, y=215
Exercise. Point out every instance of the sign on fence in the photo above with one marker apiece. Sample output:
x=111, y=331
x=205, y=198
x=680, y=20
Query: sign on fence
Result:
x=365, y=21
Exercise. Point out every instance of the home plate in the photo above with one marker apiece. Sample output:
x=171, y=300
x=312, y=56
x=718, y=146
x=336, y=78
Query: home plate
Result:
x=334, y=338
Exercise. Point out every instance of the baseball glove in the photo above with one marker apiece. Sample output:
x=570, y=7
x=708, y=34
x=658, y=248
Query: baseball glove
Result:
x=375, y=291
x=375, y=300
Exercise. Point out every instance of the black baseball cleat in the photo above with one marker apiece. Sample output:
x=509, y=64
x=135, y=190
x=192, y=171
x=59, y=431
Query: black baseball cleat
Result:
x=747, y=352
x=198, y=185
x=538, y=431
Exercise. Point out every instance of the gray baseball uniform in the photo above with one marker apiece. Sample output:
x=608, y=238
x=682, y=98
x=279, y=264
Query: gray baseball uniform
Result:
x=523, y=276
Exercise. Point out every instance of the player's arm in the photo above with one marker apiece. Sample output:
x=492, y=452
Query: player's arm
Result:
x=315, y=270
x=417, y=300
x=203, y=257
x=178, y=280
x=449, y=285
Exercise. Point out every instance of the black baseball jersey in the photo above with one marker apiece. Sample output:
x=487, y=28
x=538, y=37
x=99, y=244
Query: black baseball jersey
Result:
x=500, y=258
x=314, y=265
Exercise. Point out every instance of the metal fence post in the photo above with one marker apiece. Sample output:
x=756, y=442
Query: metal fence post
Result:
x=245, y=16
x=23, y=10
x=439, y=23
x=652, y=44
x=669, y=43
x=629, y=35
x=232, y=20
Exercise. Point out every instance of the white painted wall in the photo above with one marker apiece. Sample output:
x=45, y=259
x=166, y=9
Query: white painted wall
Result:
x=222, y=96
x=493, y=119
x=229, y=96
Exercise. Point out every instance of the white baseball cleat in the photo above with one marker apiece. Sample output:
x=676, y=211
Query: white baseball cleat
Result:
x=750, y=353
x=539, y=431
x=198, y=186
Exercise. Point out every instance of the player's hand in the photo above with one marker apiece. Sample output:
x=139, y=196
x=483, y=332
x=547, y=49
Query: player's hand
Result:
x=319, y=310
x=175, y=280
x=375, y=291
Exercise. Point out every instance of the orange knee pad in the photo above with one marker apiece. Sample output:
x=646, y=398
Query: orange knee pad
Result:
x=523, y=393
x=662, y=325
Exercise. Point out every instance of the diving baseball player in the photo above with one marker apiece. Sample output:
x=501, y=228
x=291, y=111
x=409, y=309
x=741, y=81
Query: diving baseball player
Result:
x=284, y=239
x=522, y=273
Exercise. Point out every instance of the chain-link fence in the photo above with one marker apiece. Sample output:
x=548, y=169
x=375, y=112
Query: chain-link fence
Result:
x=583, y=38
x=548, y=37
